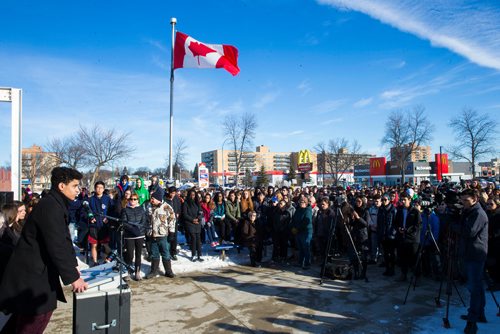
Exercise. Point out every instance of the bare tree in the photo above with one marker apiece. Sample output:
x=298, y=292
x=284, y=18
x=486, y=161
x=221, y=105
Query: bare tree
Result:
x=475, y=135
x=143, y=172
x=38, y=165
x=180, y=154
x=68, y=151
x=241, y=132
x=340, y=156
x=404, y=132
x=103, y=147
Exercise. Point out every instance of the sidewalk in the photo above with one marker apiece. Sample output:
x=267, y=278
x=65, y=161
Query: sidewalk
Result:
x=232, y=298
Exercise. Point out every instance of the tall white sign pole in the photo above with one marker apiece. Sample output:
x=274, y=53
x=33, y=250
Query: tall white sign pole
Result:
x=14, y=96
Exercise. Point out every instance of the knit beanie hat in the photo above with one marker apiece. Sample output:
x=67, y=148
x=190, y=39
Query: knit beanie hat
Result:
x=158, y=194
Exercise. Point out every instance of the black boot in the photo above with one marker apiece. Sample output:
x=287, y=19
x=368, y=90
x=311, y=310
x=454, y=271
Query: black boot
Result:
x=155, y=264
x=470, y=328
x=167, y=264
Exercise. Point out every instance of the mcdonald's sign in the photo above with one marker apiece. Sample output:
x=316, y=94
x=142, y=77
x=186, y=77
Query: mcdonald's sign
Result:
x=304, y=156
x=442, y=164
x=377, y=166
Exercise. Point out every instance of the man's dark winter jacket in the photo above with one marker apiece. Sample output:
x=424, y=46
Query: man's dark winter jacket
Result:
x=386, y=228
x=43, y=254
x=413, y=225
x=474, y=234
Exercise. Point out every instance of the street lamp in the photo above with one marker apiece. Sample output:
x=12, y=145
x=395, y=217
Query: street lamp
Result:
x=223, y=174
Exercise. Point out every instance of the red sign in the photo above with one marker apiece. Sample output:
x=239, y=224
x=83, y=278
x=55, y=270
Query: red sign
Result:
x=305, y=167
x=377, y=166
x=441, y=165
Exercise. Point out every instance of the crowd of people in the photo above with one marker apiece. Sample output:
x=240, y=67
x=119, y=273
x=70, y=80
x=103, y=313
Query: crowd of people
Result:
x=395, y=227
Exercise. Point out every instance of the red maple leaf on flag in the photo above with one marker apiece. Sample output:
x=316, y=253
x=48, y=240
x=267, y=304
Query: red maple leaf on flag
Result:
x=199, y=49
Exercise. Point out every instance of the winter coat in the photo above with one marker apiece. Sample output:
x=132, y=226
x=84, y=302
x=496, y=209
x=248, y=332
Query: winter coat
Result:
x=386, y=228
x=360, y=226
x=413, y=225
x=190, y=211
x=43, y=256
x=99, y=207
x=233, y=211
x=280, y=221
x=324, y=221
x=433, y=220
x=248, y=234
x=473, y=232
x=162, y=221
x=219, y=211
x=302, y=221
x=373, y=215
x=135, y=222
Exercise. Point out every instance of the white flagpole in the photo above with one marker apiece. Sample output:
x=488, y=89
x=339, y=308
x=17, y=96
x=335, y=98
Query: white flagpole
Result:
x=173, y=21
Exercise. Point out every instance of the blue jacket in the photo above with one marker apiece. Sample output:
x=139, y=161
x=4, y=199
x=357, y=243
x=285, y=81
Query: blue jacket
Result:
x=434, y=222
x=302, y=221
x=99, y=207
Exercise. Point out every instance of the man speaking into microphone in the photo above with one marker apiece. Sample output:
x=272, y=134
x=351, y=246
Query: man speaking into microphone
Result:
x=31, y=287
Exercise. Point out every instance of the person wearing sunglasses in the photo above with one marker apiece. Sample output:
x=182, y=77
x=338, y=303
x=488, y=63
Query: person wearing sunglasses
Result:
x=135, y=224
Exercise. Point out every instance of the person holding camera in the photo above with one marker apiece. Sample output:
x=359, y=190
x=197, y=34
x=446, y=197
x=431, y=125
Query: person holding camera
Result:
x=473, y=248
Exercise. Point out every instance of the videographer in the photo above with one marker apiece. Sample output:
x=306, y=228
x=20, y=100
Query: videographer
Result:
x=431, y=262
x=473, y=232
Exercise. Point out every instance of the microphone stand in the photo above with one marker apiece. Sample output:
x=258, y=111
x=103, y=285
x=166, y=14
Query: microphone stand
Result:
x=121, y=263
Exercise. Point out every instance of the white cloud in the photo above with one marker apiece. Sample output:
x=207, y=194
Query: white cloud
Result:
x=304, y=87
x=390, y=94
x=287, y=134
x=327, y=106
x=363, y=102
x=470, y=30
x=333, y=120
x=266, y=99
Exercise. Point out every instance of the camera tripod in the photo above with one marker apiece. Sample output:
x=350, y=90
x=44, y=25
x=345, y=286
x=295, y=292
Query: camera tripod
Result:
x=428, y=235
x=332, y=229
x=449, y=281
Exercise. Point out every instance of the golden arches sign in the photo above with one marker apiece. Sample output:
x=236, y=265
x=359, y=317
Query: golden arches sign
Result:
x=376, y=164
x=444, y=160
x=304, y=156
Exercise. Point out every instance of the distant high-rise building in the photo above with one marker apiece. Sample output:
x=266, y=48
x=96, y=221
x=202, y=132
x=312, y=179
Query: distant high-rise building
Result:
x=418, y=154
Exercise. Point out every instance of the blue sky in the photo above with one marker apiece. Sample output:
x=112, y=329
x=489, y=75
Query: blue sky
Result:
x=310, y=70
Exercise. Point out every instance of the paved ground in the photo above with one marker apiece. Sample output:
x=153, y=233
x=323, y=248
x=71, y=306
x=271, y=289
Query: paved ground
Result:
x=241, y=299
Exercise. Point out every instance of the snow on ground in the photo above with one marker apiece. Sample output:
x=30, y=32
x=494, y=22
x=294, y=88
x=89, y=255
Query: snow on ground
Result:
x=430, y=324
x=434, y=324
x=212, y=259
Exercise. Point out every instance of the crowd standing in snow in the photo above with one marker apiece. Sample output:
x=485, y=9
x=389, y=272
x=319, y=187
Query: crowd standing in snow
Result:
x=382, y=225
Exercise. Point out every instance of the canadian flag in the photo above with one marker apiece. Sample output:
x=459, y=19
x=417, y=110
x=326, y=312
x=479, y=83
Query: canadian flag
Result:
x=188, y=52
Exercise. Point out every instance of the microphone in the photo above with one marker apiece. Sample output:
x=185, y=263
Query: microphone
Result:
x=86, y=206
